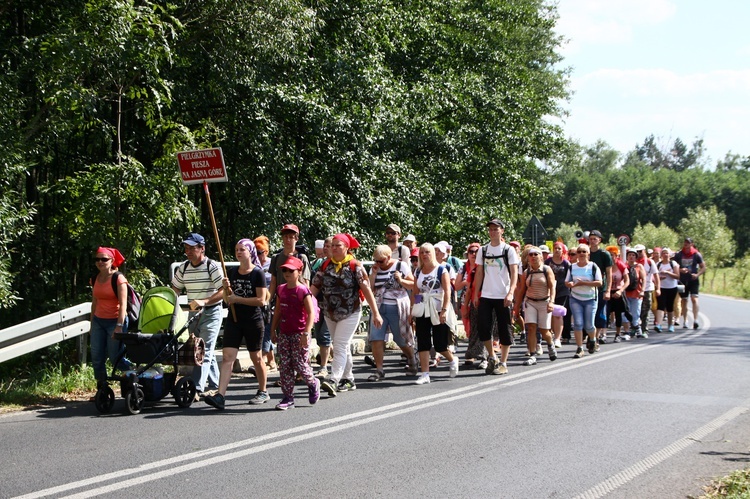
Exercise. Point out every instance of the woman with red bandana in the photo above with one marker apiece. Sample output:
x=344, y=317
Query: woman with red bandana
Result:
x=108, y=311
x=340, y=279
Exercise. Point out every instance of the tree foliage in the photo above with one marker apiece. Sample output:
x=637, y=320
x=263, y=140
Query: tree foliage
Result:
x=335, y=116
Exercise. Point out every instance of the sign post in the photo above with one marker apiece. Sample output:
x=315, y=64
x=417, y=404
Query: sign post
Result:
x=623, y=240
x=201, y=167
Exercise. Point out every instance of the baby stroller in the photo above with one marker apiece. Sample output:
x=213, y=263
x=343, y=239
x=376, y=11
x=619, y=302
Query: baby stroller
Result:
x=155, y=341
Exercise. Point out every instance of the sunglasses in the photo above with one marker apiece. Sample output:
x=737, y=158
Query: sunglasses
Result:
x=102, y=259
x=287, y=270
x=381, y=262
x=473, y=252
x=390, y=233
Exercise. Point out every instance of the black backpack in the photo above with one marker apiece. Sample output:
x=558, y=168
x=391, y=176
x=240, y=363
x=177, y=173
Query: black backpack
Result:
x=633, y=274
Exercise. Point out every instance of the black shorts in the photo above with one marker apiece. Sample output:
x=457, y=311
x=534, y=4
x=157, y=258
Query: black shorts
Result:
x=251, y=331
x=488, y=306
x=428, y=334
x=691, y=288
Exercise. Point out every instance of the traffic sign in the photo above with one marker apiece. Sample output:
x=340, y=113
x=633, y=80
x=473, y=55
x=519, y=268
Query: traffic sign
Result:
x=535, y=233
x=623, y=240
x=204, y=165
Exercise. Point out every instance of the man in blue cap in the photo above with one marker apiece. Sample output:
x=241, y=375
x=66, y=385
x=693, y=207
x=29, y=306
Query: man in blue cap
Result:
x=202, y=279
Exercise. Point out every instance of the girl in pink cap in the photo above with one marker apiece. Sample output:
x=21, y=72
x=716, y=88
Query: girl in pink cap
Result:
x=108, y=311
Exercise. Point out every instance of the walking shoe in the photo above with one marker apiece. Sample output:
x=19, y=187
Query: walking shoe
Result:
x=346, y=385
x=603, y=339
x=491, y=363
x=539, y=350
x=625, y=337
x=482, y=365
x=670, y=329
x=695, y=325
x=657, y=329
x=411, y=369
x=531, y=361
x=618, y=339
x=639, y=335
x=313, y=391
x=379, y=375
x=423, y=379
x=522, y=338
x=500, y=369
x=215, y=401
x=322, y=373
x=558, y=344
x=329, y=386
x=644, y=335
x=260, y=398
x=552, y=353
x=370, y=361
x=684, y=325
x=579, y=353
x=286, y=403
x=454, y=368
x=591, y=346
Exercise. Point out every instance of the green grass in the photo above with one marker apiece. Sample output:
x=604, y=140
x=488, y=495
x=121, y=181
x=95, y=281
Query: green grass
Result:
x=726, y=282
x=49, y=385
x=735, y=486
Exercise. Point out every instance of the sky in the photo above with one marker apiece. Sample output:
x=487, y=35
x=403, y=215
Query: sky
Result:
x=671, y=68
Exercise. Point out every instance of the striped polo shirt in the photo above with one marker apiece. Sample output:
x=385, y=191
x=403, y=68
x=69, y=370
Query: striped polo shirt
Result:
x=201, y=281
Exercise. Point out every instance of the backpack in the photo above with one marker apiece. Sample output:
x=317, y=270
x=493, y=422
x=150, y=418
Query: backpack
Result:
x=633, y=275
x=133, y=301
x=352, y=267
x=529, y=273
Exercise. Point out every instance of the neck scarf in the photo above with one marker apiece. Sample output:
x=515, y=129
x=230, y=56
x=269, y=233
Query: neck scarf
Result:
x=340, y=264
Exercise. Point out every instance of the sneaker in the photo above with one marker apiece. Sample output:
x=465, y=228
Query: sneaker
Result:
x=216, y=401
x=322, y=373
x=286, y=403
x=313, y=392
x=329, y=387
x=618, y=339
x=695, y=325
x=454, y=368
x=522, y=338
x=558, y=344
x=657, y=329
x=491, y=363
x=539, y=349
x=603, y=339
x=670, y=329
x=531, y=361
x=685, y=326
x=369, y=361
x=500, y=369
x=482, y=365
x=644, y=335
x=579, y=353
x=260, y=398
x=639, y=335
x=424, y=379
x=625, y=337
x=411, y=369
x=346, y=385
x=591, y=345
x=552, y=354
x=379, y=375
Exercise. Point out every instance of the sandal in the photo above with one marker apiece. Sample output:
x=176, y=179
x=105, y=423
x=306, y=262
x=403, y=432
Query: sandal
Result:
x=379, y=375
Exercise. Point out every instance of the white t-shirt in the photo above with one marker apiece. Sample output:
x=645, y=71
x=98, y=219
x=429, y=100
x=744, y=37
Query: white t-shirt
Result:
x=667, y=281
x=496, y=282
x=589, y=272
x=651, y=270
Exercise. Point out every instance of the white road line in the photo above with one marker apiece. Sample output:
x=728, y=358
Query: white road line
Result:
x=202, y=458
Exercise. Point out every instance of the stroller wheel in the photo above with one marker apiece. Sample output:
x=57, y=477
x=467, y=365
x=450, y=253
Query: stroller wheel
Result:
x=104, y=399
x=135, y=399
x=184, y=392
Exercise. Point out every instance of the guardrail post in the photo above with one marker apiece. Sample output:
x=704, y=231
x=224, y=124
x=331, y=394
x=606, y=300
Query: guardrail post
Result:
x=82, y=347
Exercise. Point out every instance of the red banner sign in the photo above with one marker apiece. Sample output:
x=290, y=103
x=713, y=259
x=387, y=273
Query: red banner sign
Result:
x=205, y=165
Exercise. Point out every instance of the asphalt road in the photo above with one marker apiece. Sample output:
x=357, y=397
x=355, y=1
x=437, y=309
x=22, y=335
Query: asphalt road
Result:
x=647, y=418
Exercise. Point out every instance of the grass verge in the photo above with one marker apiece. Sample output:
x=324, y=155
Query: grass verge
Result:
x=735, y=486
x=53, y=384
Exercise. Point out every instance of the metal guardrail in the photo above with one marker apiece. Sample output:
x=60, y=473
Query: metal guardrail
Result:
x=44, y=331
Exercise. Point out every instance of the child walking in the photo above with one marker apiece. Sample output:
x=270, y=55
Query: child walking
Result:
x=294, y=319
